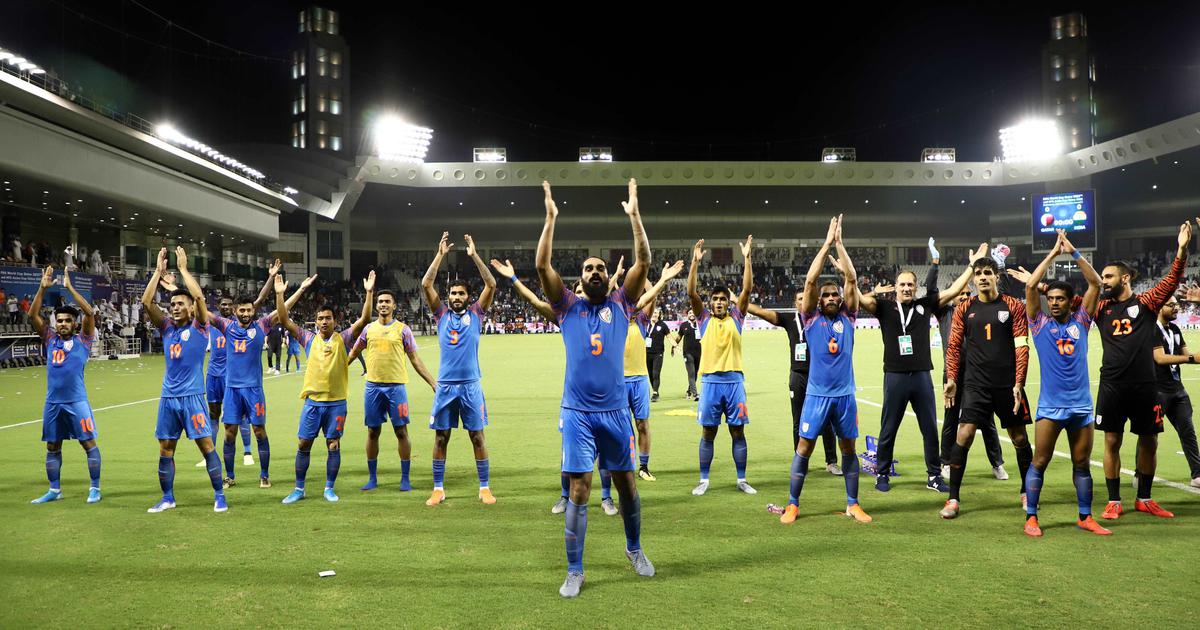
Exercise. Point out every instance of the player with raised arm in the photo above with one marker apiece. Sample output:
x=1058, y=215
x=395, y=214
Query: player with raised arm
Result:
x=989, y=342
x=722, y=382
x=1129, y=335
x=594, y=416
x=1065, y=399
x=828, y=321
x=386, y=397
x=458, y=394
x=67, y=413
x=324, y=390
x=182, y=408
x=637, y=369
x=908, y=368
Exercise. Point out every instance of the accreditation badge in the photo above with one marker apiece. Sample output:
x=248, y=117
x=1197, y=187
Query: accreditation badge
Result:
x=906, y=345
x=801, y=352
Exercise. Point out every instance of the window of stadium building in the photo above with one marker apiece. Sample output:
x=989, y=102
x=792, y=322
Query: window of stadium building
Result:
x=329, y=244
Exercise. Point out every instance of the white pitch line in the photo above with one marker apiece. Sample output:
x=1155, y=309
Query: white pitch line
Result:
x=136, y=402
x=1067, y=456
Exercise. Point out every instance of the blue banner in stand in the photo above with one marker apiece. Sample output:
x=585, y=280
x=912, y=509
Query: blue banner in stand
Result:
x=20, y=347
x=22, y=281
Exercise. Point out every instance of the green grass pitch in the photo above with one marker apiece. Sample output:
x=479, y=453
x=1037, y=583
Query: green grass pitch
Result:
x=722, y=560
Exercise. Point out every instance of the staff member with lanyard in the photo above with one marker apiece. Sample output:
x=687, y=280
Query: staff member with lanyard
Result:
x=1176, y=404
x=654, y=350
x=798, y=378
x=907, y=368
x=689, y=335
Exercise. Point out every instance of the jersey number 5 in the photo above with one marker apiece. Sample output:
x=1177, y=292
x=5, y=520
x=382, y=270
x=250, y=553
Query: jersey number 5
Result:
x=597, y=345
x=1122, y=327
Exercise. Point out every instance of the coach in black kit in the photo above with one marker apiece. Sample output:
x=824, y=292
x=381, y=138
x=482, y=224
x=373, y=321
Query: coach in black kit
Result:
x=689, y=336
x=1176, y=404
x=907, y=368
x=654, y=350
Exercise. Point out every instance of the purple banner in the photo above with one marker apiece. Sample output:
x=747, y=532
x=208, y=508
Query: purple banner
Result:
x=22, y=281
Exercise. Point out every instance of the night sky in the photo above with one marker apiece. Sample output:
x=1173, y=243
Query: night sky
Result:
x=656, y=84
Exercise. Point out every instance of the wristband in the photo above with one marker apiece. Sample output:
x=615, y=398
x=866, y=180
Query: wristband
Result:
x=1076, y=254
x=514, y=279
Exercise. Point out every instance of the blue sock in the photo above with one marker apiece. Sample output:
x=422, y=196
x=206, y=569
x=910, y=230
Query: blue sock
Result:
x=482, y=468
x=439, y=473
x=405, y=464
x=245, y=430
x=605, y=484
x=264, y=457
x=372, y=465
x=1083, y=490
x=706, y=457
x=54, y=468
x=333, y=463
x=1033, y=489
x=850, y=472
x=302, y=458
x=574, y=531
x=644, y=459
x=166, y=475
x=739, y=457
x=799, y=472
x=566, y=485
x=93, y=461
x=229, y=452
x=213, y=464
x=631, y=513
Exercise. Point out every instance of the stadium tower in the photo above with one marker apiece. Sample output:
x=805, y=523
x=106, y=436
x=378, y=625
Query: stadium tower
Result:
x=1068, y=80
x=320, y=83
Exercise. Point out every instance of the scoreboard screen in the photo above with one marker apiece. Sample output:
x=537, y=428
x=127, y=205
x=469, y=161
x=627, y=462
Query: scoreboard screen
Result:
x=1074, y=212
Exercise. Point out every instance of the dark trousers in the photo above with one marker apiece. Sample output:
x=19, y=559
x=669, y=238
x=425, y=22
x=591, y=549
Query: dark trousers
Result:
x=691, y=362
x=798, y=384
x=900, y=389
x=273, y=351
x=991, y=439
x=1177, y=407
x=654, y=362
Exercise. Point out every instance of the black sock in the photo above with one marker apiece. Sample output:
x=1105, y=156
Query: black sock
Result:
x=1024, y=459
x=1114, y=489
x=958, y=463
x=1144, y=482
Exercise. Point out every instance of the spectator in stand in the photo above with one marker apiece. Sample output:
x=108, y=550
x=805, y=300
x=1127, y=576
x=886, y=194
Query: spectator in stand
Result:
x=13, y=310
x=25, y=303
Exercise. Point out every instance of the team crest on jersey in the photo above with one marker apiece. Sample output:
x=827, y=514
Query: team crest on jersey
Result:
x=250, y=333
x=1002, y=316
x=1073, y=331
x=606, y=315
x=185, y=335
x=920, y=309
x=68, y=344
x=466, y=319
x=838, y=327
x=1133, y=310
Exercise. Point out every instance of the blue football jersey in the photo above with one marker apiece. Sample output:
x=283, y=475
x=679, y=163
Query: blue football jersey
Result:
x=594, y=335
x=185, y=347
x=65, y=360
x=244, y=349
x=1063, y=355
x=458, y=337
x=217, y=354
x=830, y=353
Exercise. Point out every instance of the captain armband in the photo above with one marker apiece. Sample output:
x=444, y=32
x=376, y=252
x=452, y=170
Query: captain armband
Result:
x=1020, y=342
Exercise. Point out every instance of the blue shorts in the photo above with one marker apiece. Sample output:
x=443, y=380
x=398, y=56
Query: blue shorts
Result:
x=588, y=435
x=842, y=411
x=329, y=417
x=637, y=390
x=293, y=348
x=453, y=401
x=214, y=388
x=183, y=414
x=1071, y=419
x=68, y=421
x=244, y=405
x=385, y=400
x=722, y=399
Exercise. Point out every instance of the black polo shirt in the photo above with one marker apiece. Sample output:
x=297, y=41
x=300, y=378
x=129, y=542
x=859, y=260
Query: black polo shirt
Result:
x=658, y=332
x=687, y=332
x=790, y=323
x=914, y=323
